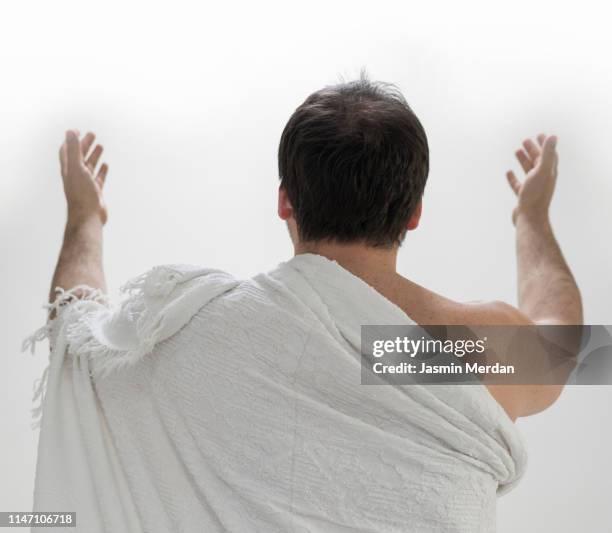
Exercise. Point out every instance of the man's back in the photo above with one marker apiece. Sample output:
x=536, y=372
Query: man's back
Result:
x=252, y=417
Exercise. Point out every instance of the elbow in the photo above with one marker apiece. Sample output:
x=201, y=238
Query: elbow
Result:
x=538, y=398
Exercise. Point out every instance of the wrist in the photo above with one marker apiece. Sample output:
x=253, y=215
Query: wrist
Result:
x=78, y=219
x=88, y=227
x=533, y=212
x=538, y=219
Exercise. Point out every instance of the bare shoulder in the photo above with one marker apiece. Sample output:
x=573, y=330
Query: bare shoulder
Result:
x=426, y=307
x=429, y=308
x=433, y=308
x=491, y=313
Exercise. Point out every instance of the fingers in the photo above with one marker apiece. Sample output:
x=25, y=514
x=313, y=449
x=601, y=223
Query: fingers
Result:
x=87, y=142
x=532, y=149
x=101, y=176
x=524, y=160
x=74, y=156
x=93, y=159
x=514, y=183
x=543, y=153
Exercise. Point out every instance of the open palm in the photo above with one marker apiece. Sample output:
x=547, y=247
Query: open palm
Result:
x=539, y=162
x=83, y=186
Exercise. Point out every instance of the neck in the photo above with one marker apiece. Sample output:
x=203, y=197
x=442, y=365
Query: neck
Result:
x=363, y=261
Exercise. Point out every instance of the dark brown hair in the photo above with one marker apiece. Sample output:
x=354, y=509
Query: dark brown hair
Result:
x=354, y=160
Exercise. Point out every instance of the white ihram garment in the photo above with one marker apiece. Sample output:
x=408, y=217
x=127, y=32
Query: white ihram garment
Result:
x=204, y=403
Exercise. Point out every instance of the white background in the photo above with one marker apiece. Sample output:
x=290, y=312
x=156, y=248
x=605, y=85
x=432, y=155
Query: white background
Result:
x=189, y=101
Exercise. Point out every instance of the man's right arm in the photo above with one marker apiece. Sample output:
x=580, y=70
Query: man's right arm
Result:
x=80, y=258
x=547, y=291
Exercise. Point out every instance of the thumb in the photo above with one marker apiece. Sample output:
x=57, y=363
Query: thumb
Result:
x=73, y=149
x=548, y=153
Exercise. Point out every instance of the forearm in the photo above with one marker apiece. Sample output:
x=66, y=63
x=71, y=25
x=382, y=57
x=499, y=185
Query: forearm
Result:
x=80, y=260
x=547, y=291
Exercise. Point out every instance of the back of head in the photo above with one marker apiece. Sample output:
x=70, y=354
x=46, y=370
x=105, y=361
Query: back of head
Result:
x=353, y=160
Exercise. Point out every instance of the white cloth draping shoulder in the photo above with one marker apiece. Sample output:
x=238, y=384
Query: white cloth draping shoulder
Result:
x=204, y=403
x=77, y=467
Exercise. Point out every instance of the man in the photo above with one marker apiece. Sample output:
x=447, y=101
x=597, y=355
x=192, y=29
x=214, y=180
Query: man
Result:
x=204, y=403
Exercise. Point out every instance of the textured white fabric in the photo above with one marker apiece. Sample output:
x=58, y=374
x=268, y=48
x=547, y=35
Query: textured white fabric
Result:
x=204, y=403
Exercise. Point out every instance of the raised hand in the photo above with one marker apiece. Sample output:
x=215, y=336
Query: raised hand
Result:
x=83, y=185
x=539, y=161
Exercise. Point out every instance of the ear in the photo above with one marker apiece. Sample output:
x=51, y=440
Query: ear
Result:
x=285, y=211
x=413, y=223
